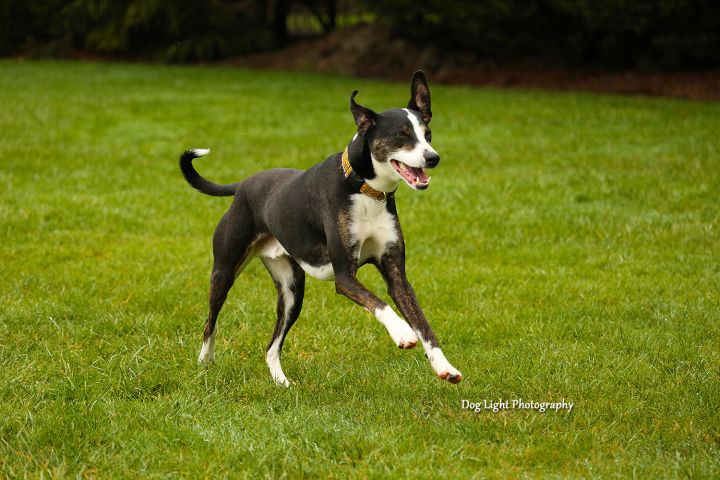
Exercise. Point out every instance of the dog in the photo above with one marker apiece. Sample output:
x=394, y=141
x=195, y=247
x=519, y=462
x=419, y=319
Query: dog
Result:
x=328, y=221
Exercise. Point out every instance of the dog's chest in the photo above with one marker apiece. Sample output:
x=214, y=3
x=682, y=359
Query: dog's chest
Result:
x=372, y=227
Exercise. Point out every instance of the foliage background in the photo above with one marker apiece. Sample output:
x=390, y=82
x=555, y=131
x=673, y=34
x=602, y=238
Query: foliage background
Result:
x=609, y=34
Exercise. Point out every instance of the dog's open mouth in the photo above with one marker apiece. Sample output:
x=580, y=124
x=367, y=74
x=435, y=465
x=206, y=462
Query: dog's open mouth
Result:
x=415, y=177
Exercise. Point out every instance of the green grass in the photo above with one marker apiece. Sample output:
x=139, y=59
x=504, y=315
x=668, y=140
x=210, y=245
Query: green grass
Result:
x=569, y=248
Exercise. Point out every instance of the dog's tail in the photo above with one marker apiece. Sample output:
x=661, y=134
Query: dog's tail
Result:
x=198, y=182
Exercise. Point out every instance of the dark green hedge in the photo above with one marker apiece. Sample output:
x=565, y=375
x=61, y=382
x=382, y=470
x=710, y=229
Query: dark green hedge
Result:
x=616, y=34
x=642, y=34
x=173, y=30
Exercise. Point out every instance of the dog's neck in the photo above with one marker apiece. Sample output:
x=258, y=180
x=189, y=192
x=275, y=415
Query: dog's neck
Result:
x=359, y=183
x=359, y=155
x=363, y=164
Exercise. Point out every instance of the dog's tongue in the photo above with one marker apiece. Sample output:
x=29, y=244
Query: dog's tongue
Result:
x=414, y=176
x=420, y=175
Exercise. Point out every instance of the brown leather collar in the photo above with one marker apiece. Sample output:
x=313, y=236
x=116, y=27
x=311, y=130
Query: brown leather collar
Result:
x=358, y=182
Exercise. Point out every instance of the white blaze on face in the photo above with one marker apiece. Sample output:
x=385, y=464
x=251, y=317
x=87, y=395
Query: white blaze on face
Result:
x=413, y=162
x=416, y=156
x=409, y=164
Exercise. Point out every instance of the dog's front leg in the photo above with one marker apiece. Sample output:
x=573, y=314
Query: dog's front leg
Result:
x=392, y=268
x=348, y=285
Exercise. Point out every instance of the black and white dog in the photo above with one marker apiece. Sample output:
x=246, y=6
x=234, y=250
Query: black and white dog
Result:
x=328, y=221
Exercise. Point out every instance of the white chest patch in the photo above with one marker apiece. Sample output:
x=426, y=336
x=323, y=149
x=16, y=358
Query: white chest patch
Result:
x=372, y=226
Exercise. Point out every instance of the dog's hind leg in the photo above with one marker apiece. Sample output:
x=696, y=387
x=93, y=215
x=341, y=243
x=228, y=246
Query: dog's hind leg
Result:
x=289, y=280
x=232, y=245
x=220, y=282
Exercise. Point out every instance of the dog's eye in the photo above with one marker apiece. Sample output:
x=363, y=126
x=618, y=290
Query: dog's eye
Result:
x=428, y=135
x=401, y=135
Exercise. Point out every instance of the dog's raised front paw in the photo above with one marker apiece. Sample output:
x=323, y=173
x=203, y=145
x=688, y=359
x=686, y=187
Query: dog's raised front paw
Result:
x=453, y=377
x=442, y=367
x=402, y=334
x=399, y=330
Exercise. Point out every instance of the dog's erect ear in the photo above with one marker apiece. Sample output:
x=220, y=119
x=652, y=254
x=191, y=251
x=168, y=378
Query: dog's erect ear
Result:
x=364, y=117
x=420, y=96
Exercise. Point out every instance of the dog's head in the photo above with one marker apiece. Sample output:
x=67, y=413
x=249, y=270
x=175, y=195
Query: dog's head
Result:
x=394, y=145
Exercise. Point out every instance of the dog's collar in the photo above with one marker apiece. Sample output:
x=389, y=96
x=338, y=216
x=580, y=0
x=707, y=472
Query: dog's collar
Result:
x=359, y=183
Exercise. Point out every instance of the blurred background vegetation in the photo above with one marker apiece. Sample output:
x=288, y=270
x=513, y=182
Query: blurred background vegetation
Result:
x=653, y=35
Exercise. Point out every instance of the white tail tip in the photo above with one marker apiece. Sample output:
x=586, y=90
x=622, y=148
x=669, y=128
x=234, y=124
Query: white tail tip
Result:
x=200, y=152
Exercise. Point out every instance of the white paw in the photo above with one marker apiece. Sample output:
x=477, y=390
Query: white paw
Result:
x=207, y=354
x=402, y=334
x=206, y=358
x=399, y=330
x=273, y=360
x=442, y=367
x=282, y=381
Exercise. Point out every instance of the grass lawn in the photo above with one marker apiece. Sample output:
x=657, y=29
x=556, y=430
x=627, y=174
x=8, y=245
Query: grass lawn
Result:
x=568, y=248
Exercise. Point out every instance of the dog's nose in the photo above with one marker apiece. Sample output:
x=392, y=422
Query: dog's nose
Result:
x=431, y=159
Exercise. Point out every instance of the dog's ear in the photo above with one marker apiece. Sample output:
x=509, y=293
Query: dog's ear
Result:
x=420, y=96
x=364, y=117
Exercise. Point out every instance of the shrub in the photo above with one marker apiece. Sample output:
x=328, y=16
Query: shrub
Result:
x=666, y=34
